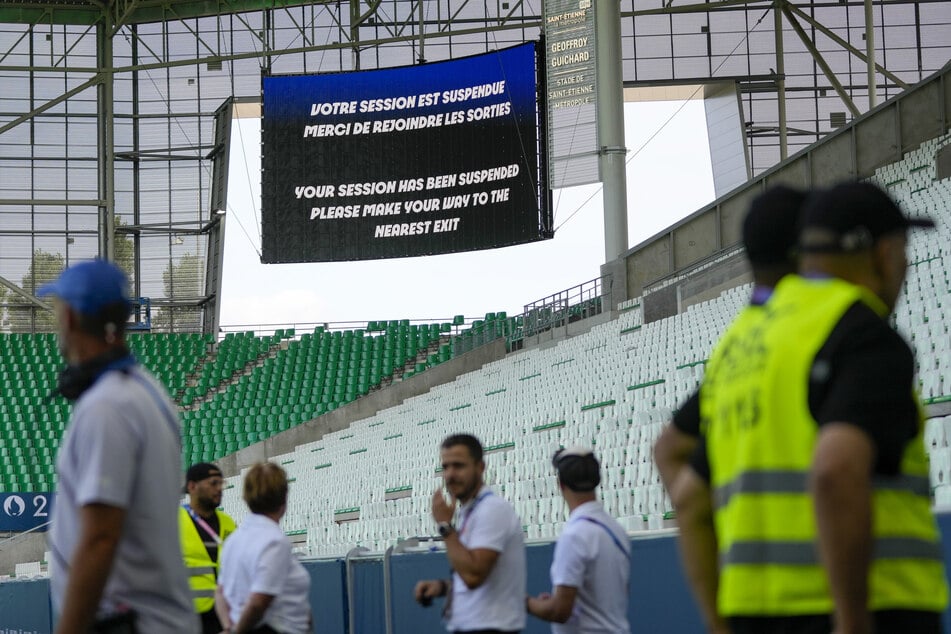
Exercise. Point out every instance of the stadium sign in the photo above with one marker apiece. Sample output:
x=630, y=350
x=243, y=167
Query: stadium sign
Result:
x=571, y=91
x=408, y=161
x=25, y=511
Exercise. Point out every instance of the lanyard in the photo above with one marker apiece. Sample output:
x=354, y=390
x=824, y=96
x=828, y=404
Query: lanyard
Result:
x=471, y=510
x=610, y=533
x=171, y=418
x=201, y=522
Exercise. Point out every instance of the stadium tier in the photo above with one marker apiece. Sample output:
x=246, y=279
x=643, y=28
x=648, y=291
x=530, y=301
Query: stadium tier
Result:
x=612, y=388
x=233, y=393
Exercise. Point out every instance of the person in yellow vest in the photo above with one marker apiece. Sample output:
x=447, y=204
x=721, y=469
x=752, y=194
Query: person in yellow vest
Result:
x=769, y=239
x=812, y=456
x=203, y=529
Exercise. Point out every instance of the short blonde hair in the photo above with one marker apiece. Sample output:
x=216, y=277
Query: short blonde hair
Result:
x=265, y=487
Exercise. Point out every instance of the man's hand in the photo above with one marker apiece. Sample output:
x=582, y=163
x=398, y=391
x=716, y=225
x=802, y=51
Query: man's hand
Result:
x=555, y=607
x=442, y=511
x=428, y=590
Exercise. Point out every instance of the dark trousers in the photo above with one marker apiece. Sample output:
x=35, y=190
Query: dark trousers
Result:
x=886, y=622
x=490, y=632
x=210, y=623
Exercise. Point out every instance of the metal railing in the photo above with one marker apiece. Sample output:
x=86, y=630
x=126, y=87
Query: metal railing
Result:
x=564, y=307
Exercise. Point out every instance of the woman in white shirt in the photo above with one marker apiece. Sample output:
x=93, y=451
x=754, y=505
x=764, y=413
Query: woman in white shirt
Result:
x=262, y=587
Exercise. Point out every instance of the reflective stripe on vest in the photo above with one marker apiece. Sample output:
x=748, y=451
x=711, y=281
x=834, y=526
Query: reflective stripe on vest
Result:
x=797, y=482
x=203, y=594
x=201, y=570
x=806, y=553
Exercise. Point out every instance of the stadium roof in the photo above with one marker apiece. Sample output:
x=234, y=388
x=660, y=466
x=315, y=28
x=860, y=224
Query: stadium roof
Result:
x=130, y=11
x=166, y=67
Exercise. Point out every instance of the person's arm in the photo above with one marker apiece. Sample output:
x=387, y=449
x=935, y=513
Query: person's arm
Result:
x=698, y=544
x=429, y=589
x=840, y=483
x=672, y=453
x=100, y=531
x=222, y=608
x=678, y=441
x=555, y=607
x=253, y=612
x=472, y=565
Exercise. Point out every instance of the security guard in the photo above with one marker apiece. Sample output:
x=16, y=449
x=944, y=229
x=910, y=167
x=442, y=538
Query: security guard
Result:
x=769, y=238
x=820, y=496
x=203, y=529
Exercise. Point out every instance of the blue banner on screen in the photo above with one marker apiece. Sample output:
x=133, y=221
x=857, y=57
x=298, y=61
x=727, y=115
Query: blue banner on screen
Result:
x=25, y=511
x=406, y=161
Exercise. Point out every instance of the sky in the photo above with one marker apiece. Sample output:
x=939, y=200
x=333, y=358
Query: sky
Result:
x=668, y=177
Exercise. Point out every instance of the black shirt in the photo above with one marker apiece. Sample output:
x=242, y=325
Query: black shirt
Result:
x=863, y=376
x=687, y=418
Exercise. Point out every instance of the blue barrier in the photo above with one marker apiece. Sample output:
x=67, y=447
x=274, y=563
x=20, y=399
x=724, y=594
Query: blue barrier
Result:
x=327, y=596
x=660, y=601
x=25, y=607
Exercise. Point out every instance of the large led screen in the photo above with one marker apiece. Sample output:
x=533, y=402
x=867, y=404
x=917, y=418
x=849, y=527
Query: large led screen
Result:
x=406, y=161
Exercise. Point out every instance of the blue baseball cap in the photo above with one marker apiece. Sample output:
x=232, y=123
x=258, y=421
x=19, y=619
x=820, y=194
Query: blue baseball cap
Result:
x=89, y=286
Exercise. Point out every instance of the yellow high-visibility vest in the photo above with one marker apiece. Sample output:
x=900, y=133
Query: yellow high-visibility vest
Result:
x=202, y=571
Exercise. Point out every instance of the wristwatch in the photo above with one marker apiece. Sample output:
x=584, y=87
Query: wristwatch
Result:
x=445, y=529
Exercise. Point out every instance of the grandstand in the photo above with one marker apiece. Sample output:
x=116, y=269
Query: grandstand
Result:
x=355, y=414
x=612, y=387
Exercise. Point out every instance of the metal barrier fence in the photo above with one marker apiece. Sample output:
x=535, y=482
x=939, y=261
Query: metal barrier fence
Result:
x=371, y=593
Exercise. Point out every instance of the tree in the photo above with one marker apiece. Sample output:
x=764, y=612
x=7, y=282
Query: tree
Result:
x=44, y=268
x=182, y=280
x=124, y=250
x=4, y=294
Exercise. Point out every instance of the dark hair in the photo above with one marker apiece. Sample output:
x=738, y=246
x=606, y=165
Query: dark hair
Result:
x=471, y=443
x=265, y=487
x=115, y=313
x=578, y=473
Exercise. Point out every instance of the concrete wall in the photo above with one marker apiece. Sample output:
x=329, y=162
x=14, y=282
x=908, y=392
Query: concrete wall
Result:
x=364, y=407
x=21, y=549
x=879, y=137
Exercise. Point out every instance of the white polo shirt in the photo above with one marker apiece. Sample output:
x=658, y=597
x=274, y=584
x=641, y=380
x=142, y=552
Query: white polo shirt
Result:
x=593, y=556
x=489, y=521
x=257, y=558
x=122, y=449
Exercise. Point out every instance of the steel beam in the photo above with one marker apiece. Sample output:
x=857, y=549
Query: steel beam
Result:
x=816, y=55
x=105, y=107
x=322, y=47
x=19, y=292
x=50, y=104
x=610, y=109
x=781, y=83
x=829, y=33
x=870, y=53
x=51, y=202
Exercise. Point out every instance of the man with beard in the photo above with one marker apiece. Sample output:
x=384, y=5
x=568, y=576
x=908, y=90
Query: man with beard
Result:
x=203, y=529
x=486, y=550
